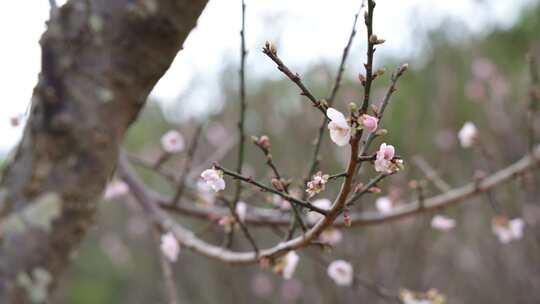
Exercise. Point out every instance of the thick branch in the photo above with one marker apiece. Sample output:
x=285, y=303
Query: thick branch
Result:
x=100, y=59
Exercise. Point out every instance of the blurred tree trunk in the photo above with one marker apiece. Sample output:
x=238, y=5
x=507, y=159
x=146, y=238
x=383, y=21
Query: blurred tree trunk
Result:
x=100, y=59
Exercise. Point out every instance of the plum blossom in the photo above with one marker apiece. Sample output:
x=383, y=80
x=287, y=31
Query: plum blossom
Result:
x=169, y=247
x=385, y=162
x=172, y=142
x=214, y=178
x=341, y=272
x=331, y=236
x=115, y=189
x=241, y=210
x=287, y=265
x=323, y=203
x=384, y=205
x=468, y=135
x=340, y=130
x=507, y=230
x=432, y=296
x=441, y=222
x=317, y=183
x=368, y=123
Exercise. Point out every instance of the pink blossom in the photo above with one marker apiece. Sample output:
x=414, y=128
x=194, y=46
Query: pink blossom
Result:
x=369, y=123
x=317, y=183
x=172, y=142
x=340, y=131
x=483, y=69
x=385, y=161
x=441, y=222
x=115, y=189
x=214, y=178
x=169, y=247
x=341, y=272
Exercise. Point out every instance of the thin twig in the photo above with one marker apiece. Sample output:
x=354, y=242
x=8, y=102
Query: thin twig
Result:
x=430, y=174
x=332, y=97
x=270, y=51
x=168, y=276
x=243, y=227
x=284, y=195
x=187, y=165
x=370, y=51
x=265, y=148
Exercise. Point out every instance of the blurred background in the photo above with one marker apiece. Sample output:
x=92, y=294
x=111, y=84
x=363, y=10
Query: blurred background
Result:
x=467, y=63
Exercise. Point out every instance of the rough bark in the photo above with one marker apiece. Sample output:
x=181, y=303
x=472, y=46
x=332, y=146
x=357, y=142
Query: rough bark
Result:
x=100, y=59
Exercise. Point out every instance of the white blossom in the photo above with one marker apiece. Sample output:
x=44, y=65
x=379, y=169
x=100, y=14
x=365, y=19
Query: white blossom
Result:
x=331, y=236
x=241, y=210
x=340, y=131
x=468, y=135
x=115, y=189
x=169, y=247
x=291, y=260
x=384, y=205
x=441, y=222
x=214, y=178
x=507, y=230
x=172, y=142
x=323, y=203
x=341, y=272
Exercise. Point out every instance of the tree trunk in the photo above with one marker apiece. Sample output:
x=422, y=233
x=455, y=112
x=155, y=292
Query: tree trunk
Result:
x=100, y=59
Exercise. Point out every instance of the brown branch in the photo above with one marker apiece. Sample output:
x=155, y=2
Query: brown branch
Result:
x=260, y=216
x=90, y=89
x=284, y=195
x=270, y=51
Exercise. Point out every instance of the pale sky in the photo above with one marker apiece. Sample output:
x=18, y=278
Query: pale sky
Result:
x=305, y=31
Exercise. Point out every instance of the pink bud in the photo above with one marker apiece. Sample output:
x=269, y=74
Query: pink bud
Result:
x=370, y=123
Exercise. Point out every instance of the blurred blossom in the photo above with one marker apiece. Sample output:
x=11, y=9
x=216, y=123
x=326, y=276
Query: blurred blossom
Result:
x=113, y=246
x=468, y=135
x=291, y=291
x=216, y=134
x=341, y=272
x=137, y=226
x=507, y=230
x=441, y=222
x=483, y=69
x=340, y=131
x=241, y=210
x=331, y=236
x=475, y=90
x=432, y=296
x=205, y=192
x=499, y=86
x=286, y=266
x=323, y=203
x=169, y=246
x=280, y=203
x=214, y=178
x=262, y=285
x=445, y=139
x=384, y=205
x=115, y=189
x=172, y=142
